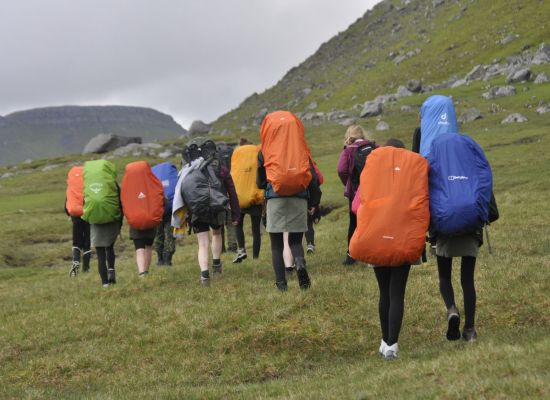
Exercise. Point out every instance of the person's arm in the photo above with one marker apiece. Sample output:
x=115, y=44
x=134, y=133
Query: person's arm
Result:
x=261, y=177
x=314, y=191
x=232, y=194
x=344, y=166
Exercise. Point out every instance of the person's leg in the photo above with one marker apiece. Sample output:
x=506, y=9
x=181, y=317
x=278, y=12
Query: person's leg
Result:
x=169, y=244
x=148, y=256
x=277, y=247
x=351, y=229
x=256, y=221
x=383, y=278
x=86, y=247
x=110, y=252
x=295, y=243
x=101, y=253
x=204, y=242
x=239, y=233
x=77, y=245
x=468, y=287
x=444, y=268
x=398, y=284
x=217, y=242
x=141, y=260
x=287, y=253
x=159, y=243
x=310, y=235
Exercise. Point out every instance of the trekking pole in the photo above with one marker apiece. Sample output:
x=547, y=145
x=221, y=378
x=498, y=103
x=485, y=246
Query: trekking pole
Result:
x=489, y=247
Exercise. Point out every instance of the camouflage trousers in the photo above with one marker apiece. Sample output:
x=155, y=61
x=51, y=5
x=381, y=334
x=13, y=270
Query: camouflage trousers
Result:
x=230, y=233
x=164, y=239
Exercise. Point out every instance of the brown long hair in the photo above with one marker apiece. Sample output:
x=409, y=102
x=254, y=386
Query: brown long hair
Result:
x=353, y=133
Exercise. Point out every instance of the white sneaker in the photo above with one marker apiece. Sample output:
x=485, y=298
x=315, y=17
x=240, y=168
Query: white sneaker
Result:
x=382, y=348
x=310, y=248
x=391, y=352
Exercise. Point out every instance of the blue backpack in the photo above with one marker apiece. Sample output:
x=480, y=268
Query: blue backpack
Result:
x=437, y=116
x=167, y=173
x=461, y=183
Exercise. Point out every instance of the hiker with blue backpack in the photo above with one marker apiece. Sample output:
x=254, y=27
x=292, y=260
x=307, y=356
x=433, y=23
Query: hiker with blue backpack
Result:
x=165, y=243
x=357, y=146
x=207, y=192
x=461, y=198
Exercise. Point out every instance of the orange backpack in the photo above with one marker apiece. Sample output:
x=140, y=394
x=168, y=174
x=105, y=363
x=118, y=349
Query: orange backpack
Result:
x=244, y=167
x=75, y=192
x=286, y=154
x=394, y=213
x=142, y=196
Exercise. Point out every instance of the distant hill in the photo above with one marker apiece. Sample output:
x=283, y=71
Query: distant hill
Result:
x=54, y=131
x=436, y=42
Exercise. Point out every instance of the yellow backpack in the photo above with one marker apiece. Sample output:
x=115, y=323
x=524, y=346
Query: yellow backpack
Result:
x=244, y=166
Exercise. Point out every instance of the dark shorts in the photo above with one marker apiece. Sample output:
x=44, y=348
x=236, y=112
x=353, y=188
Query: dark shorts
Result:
x=143, y=243
x=199, y=227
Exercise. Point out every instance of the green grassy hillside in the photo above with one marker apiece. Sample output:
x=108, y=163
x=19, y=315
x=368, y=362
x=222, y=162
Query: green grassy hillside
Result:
x=168, y=337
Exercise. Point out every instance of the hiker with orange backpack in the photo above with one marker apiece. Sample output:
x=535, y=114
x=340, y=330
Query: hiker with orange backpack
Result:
x=357, y=147
x=291, y=188
x=103, y=211
x=206, y=190
x=74, y=204
x=392, y=219
x=244, y=161
x=142, y=197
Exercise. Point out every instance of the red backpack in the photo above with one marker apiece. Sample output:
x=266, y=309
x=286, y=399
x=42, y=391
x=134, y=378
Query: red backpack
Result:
x=142, y=196
x=75, y=192
x=394, y=213
x=286, y=154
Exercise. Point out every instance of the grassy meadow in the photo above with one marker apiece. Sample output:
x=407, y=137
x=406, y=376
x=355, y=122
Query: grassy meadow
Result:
x=167, y=337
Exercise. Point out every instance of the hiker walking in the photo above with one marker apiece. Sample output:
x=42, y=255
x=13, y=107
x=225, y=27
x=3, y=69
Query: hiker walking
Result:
x=142, y=197
x=103, y=211
x=229, y=231
x=207, y=191
x=392, y=219
x=74, y=204
x=244, y=162
x=165, y=243
x=357, y=147
x=291, y=190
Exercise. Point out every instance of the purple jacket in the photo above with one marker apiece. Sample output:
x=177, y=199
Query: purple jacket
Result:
x=345, y=166
x=232, y=193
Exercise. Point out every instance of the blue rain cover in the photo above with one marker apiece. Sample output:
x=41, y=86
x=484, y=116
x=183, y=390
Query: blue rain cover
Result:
x=168, y=175
x=461, y=183
x=437, y=115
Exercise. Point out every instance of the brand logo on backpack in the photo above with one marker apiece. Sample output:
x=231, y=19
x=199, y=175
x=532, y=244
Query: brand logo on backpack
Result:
x=141, y=195
x=457, y=178
x=96, y=187
x=397, y=169
x=443, y=119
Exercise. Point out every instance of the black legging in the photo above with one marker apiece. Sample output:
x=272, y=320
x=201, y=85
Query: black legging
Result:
x=256, y=220
x=392, y=282
x=352, y=222
x=105, y=257
x=310, y=234
x=81, y=233
x=467, y=268
x=277, y=246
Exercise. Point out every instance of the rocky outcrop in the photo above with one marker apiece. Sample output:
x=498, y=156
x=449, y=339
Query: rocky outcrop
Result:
x=499, y=91
x=541, y=78
x=515, y=117
x=469, y=115
x=199, y=128
x=371, y=109
x=522, y=75
x=382, y=126
x=105, y=142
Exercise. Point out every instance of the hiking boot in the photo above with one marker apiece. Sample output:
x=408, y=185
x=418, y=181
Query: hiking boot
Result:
x=469, y=334
x=391, y=352
x=86, y=261
x=310, y=248
x=160, y=259
x=205, y=278
x=74, y=269
x=241, y=255
x=453, y=324
x=348, y=260
x=291, y=269
x=281, y=285
x=167, y=258
x=143, y=274
x=382, y=348
x=111, y=278
x=303, y=277
x=217, y=268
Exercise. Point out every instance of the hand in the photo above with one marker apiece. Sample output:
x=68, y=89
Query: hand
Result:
x=235, y=223
x=311, y=211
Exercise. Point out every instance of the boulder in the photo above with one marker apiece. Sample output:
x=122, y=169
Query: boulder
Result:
x=414, y=85
x=402, y=91
x=437, y=3
x=371, y=109
x=515, y=117
x=499, y=91
x=347, y=121
x=508, y=39
x=385, y=98
x=541, y=78
x=543, y=109
x=105, y=142
x=313, y=117
x=477, y=73
x=166, y=154
x=522, y=75
x=460, y=82
x=312, y=106
x=336, y=115
x=7, y=175
x=469, y=115
x=406, y=109
x=199, y=128
x=382, y=126
x=542, y=55
x=50, y=167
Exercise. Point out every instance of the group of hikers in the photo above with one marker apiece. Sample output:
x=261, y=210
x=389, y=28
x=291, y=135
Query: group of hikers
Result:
x=440, y=192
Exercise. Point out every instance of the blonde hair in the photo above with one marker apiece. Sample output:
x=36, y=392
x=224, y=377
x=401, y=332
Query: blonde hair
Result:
x=354, y=132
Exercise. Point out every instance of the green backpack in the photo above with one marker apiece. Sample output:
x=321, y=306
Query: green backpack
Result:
x=101, y=194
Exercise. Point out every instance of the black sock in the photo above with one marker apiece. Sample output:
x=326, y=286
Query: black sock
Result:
x=216, y=261
x=205, y=274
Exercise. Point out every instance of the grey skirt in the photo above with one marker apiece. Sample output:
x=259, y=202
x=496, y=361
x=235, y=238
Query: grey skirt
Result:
x=457, y=246
x=286, y=214
x=104, y=235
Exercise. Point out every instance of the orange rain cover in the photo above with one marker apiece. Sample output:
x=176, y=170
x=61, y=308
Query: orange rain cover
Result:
x=286, y=154
x=142, y=196
x=244, y=167
x=394, y=212
x=75, y=192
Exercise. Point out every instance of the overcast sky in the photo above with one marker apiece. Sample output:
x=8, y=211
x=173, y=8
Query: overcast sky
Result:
x=193, y=59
